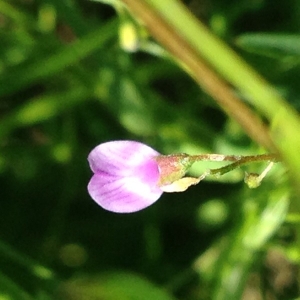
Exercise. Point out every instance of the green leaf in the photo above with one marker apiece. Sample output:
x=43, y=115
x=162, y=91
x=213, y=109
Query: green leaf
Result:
x=258, y=224
x=111, y=286
x=270, y=43
x=18, y=78
x=11, y=290
x=42, y=108
x=109, y=2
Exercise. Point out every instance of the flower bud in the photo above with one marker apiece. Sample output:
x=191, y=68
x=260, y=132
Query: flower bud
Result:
x=253, y=180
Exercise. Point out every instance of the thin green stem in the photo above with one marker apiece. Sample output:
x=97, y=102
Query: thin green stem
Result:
x=238, y=161
x=244, y=160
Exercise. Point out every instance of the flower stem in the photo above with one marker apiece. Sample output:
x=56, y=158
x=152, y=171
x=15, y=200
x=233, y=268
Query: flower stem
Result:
x=237, y=160
x=265, y=172
x=237, y=164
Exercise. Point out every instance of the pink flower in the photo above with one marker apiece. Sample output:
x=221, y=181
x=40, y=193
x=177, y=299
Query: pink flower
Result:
x=126, y=176
x=129, y=176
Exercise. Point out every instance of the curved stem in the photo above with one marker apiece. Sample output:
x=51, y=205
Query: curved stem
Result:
x=242, y=161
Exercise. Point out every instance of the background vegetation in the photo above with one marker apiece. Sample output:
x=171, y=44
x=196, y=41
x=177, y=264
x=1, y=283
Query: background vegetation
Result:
x=74, y=74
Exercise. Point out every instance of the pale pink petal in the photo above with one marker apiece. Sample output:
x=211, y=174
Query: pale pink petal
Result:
x=126, y=176
x=119, y=157
x=122, y=195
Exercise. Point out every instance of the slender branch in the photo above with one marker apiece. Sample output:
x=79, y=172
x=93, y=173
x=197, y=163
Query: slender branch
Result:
x=235, y=158
x=174, y=166
x=243, y=161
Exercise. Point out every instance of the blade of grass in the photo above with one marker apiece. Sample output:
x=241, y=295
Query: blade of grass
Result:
x=16, y=15
x=256, y=228
x=42, y=108
x=275, y=44
x=31, y=265
x=9, y=286
x=21, y=77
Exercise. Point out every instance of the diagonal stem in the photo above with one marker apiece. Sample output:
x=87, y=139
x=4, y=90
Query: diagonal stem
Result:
x=201, y=72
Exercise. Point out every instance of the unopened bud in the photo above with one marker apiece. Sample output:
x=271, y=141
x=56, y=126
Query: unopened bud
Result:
x=128, y=37
x=253, y=180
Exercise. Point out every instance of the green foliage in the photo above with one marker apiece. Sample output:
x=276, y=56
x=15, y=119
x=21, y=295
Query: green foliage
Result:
x=118, y=285
x=74, y=74
x=271, y=44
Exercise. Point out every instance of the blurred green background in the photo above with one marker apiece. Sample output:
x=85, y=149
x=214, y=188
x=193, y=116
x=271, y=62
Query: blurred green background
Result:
x=73, y=74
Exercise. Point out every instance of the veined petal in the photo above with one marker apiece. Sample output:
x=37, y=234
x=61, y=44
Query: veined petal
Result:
x=126, y=176
x=122, y=194
x=119, y=157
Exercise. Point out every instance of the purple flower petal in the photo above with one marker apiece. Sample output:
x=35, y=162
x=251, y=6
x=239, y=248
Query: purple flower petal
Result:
x=125, y=176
